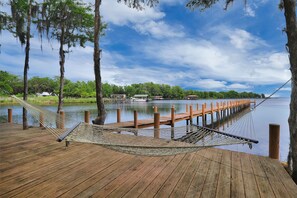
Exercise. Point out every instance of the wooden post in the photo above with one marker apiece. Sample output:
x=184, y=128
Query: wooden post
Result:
x=135, y=119
x=191, y=114
x=118, y=115
x=156, y=125
x=9, y=115
x=203, y=115
x=274, y=135
x=218, y=115
x=197, y=107
x=62, y=120
x=211, y=115
x=172, y=116
x=87, y=117
x=155, y=109
x=41, y=120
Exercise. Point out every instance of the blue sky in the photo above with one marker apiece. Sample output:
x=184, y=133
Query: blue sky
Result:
x=240, y=49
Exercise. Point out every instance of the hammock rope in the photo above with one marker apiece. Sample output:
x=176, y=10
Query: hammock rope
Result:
x=141, y=141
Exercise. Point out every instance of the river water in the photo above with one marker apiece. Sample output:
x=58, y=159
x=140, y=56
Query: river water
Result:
x=271, y=111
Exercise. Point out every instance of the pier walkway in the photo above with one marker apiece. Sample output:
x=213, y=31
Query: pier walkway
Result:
x=217, y=112
x=33, y=164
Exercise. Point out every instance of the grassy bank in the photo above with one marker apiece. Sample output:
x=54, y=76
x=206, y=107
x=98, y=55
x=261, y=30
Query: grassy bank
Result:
x=48, y=100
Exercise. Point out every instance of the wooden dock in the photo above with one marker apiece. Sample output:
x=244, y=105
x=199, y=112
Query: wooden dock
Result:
x=220, y=111
x=34, y=165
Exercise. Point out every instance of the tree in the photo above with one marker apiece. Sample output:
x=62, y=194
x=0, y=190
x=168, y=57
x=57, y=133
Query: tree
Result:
x=289, y=7
x=69, y=22
x=19, y=24
x=100, y=119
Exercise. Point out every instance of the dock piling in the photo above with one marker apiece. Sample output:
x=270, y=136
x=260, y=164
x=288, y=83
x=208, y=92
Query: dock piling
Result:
x=274, y=136
x=156, y=125
x=41, y=120
x=118, y=115
x=87, y=117
x=135, y=119
x=191, y=114
x=155, y=109
x=9, y=116
x=172, y=116
x=203, y=115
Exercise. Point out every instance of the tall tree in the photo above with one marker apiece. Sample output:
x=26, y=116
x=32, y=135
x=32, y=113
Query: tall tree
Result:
x=69, y=22
x=100, y=119
x=19, y=25
x=289, y=7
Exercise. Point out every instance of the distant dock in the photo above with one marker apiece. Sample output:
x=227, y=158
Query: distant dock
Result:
x=217, y=112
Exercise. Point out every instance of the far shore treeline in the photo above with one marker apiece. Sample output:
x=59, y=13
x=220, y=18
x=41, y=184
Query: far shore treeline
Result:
x=12, y=85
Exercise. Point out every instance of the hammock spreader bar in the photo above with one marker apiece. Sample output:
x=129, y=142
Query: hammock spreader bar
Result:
x=66, y=133
x=227, y=134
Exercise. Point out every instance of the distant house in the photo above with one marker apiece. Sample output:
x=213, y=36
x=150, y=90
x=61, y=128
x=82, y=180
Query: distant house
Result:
x=118, y=96
x=191, y=97
x=158, y=98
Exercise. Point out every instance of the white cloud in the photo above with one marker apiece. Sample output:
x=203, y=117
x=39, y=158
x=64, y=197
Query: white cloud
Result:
x=120, y=14
x=148, y=21
x=243, y=40
x=249, y=11
x=210, y=84
x=237, y=86
x=222, y=61
x=159, y=29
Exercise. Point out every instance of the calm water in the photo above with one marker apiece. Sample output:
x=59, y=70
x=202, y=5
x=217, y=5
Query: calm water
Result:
x=271, y=111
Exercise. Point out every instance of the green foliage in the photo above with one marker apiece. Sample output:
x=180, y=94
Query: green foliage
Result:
x=9, y=83
x=72, y=18
x=80, y=89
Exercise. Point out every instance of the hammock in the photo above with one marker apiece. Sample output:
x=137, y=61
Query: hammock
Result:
x=172, y=141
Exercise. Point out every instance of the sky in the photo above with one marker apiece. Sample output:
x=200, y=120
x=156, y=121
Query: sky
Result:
x=241, y=49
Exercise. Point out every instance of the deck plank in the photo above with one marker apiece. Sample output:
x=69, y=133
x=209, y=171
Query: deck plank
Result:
x=237, y=186
x=45, y=168
x=224, y=184
x=249, y=180
x=197, y=184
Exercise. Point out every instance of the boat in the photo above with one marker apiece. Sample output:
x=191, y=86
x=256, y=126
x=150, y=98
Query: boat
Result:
x=140, y=98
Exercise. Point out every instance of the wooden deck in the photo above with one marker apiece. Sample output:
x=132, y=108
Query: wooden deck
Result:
x=34, y=165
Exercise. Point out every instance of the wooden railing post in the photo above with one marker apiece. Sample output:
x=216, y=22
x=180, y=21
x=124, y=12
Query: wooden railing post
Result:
x=135, y=119
x=203, y=115
x=9, y=115
x=41, y=120
x=197, y=107
x=155, y=109
x=156, y=125
x=62, y=120
x=87, y=117
x=172, y=116
x=218, y=115
x=118, y=115
x=191, y=114
x=274, y=135
x=211, y=115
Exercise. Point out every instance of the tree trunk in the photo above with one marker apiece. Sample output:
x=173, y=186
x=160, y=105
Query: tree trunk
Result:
x=99, y=96
x=26, y=66
x=62, y=71
x=291, y=30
